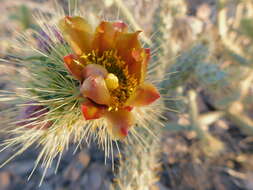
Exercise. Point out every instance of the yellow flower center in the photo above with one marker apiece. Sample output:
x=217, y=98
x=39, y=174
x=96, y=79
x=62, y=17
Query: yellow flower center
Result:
x=119, y=82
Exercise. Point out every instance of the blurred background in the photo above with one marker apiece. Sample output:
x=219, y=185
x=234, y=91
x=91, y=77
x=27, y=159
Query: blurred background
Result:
x=205, y=49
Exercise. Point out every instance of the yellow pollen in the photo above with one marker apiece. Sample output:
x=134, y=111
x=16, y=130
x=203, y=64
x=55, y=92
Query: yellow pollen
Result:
x=78, y=63
x=112, y=81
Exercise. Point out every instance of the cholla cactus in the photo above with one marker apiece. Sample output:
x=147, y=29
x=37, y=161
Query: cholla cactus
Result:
x=140, y=166
x=93, y=85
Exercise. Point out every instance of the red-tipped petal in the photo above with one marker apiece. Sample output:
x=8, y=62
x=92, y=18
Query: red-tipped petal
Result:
x=92, y=111
x=94, y=70
x=120, y=26
x=119, y=123
x=74, y=66
x=144, y=95
x=78, y=33
x=106, y=35
x=94, y=87
x=136, y=57
x=126, y=43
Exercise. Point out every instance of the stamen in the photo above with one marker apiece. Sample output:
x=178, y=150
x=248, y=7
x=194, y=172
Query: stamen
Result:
x=78, y=63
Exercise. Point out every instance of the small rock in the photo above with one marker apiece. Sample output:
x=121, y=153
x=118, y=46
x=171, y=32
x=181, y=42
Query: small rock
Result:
x=204, y=11
x=4, y=179
x=84, y=158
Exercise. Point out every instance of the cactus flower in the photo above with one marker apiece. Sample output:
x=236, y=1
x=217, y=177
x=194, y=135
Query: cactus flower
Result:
x=111, y=66
x=81, y=83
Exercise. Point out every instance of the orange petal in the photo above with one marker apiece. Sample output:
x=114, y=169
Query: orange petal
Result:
x=73, y=66
x=144, y=95
x=146, y=58
x=119, y=123
x=106, y=33
x=139, y=68
x=144, y=65
x=125, y=43
x=78, y=33
x=94, y=70
x=91, y=110
x=129, y=48
x=94, y=87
